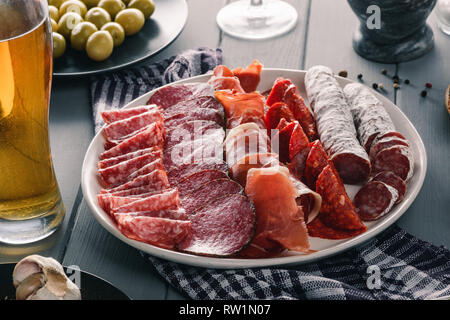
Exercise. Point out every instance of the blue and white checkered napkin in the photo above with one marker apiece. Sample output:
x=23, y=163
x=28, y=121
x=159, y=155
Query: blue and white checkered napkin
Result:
x=393, y=265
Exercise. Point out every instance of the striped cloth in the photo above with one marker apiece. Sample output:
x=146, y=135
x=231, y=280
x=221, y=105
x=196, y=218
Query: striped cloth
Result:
x=393, y=265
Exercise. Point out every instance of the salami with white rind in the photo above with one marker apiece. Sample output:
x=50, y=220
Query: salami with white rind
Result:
x=398, y=159
x=335, y=125
x=369, y=115
x=374, y=200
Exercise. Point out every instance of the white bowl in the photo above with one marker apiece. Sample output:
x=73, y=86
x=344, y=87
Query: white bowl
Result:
x=325, y=248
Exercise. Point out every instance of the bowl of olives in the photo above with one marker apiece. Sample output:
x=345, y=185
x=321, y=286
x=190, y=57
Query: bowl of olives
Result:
x=94, y=36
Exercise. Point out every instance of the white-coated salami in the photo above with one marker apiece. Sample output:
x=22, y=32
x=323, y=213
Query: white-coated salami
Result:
x=374, y=200
x=335, y=125
x=369, y=115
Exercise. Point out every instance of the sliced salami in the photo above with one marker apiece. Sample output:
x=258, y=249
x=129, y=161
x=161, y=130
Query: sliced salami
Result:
x=209, y=191
x=148, y=168
x=398, y=159
x=161, y=232
x=197, y=179
x=177, y=174
x=194, y=104
x=176, y=93
x=135, y=192
x=196, y=114
x=335, y=125
x=374, y=200
x=121, y=114
x=153, y=136
x=174, y=214
x=384, y=143
x=318, y=229
x=221, y=228
x=167, y=199
x=337, y=210
x=369, y=115
x=155, y=151
x=391, y=179
x=182, y=155
x=114, y=176
x=122, y=128
x=156, y=179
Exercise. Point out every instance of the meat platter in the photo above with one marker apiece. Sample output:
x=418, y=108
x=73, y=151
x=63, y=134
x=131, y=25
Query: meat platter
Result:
x=226, y=213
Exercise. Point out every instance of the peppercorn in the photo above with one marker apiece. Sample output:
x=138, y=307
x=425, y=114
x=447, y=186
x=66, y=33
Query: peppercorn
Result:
x=383, y=71
x=375, y=86
x=343, y=73
x=406, y=81
x=396, y=86
x=381, y=86
x=423, y=93
x=428, y=85
x=360, y=76
x=396, y=79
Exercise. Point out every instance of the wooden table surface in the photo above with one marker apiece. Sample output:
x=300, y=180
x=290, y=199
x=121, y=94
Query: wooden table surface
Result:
x=322, y=36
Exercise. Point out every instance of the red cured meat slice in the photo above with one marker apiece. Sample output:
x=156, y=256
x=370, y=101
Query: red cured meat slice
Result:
x=260, y=160
x=278, y=90
x=241, y=107
x=298, y=151
x=209, y=191
x=196, y=114
x=179, y=173
x=281, y=140
x=301, y=112
x=397, y=159
x=203, y=131
x=352, y=168
x=245, y=143
x=222, y=71
x=132, y=192
x=221, y=228
x=167, y=199
x=194, y=104
x=391, y=179
x=276, y=112
x=337, y=210
x=279, y=218
x=182, y=154
x=117, y=115
x=318, y=229
x=156, y=152
x=316, y=161
x=385, y=143
x=122, y=128
x=173, y=94
x=250, y=76
x=374, y=200
x=226, y=83
x=108, y=201
x=197, y=179
x=150, y=137
x=164, y=233
x=116, y=175
x=174, y=214
x=157, y=179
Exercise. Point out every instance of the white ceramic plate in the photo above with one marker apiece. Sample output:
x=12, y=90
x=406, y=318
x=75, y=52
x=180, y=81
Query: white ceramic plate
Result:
x=325, y=248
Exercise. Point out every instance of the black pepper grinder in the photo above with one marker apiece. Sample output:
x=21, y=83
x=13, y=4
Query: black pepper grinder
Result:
x=392, y=30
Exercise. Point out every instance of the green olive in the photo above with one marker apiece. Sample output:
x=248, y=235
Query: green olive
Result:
x=59, y=45
x=73, y=6
x=68, y=22
x=80, y=35
x=56, y=3
x=98, y=16
x=112, y=6
x=100, y=45
x=54, y=13
x=132, y=20
x=90, y=3
x=54, y=25
x=146, y=6
x=117, y=32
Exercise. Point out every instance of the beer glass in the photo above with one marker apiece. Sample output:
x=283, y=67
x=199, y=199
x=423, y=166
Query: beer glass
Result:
x=30, y=202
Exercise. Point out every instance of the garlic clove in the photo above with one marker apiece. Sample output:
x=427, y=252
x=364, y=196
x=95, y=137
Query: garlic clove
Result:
x=29, y=286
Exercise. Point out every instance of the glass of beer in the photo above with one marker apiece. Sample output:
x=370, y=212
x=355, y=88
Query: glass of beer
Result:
x=30, y=202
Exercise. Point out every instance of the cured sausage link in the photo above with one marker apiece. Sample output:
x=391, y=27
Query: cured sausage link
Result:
x=335, y=125
x=369, y=115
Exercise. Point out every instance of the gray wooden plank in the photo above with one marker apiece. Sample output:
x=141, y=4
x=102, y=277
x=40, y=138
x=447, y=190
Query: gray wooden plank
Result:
x=329, y=43
x=70, y=134
x=95, y=250
x=282, y=52
x=428, y=218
